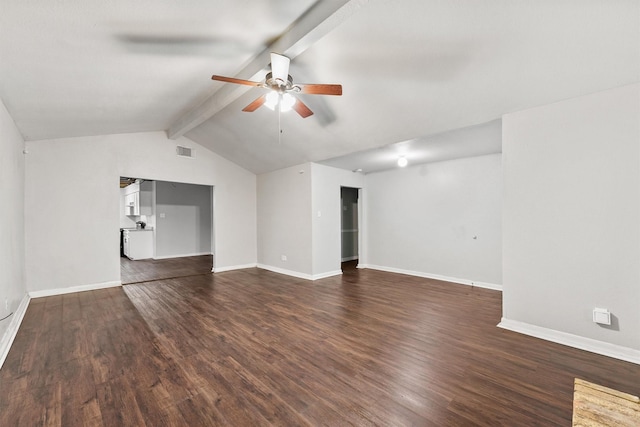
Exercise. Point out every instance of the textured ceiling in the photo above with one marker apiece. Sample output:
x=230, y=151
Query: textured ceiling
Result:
x=415, y=70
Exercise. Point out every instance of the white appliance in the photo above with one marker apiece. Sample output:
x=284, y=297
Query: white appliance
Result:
x=137, y=244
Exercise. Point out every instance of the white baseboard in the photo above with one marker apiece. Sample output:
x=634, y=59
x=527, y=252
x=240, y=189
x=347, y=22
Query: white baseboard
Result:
x=298, y=274
x=182, y=255
x=327, y=274
x=233, y=267
x=12, y=330
x=350, y=258
x=485, y=285
x=594, y=346
x=285, y=272
x=72, y=289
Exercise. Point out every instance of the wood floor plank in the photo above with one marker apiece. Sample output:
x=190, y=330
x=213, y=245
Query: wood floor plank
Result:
x=252, y=347
x=146, y=270
x=118, y=405
x=79, y=399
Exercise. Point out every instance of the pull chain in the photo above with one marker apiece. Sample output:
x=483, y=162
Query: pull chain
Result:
x=279, y=126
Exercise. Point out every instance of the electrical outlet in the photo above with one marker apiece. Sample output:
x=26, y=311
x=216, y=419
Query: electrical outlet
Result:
x=283, y=257
x=602, y=316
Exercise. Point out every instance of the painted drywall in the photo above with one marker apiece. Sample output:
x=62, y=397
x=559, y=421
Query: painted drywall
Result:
x=571, y=215
x=284, y=220
x=349, y=222
x=326, y=211
x=72, y=202
x=299, y=217
x=438, y=220
x=184, y=219
x=12, y=252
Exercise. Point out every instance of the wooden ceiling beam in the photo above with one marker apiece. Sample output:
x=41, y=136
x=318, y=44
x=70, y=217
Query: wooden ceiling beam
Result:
x=315, y=23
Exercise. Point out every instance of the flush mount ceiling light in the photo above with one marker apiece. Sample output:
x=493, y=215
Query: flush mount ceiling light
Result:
x=402, y=162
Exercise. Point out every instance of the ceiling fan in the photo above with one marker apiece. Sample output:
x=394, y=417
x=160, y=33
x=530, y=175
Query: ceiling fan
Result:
x=281, y=86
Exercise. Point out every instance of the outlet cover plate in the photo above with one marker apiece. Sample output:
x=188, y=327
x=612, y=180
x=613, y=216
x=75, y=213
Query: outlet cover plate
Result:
x=602, y=316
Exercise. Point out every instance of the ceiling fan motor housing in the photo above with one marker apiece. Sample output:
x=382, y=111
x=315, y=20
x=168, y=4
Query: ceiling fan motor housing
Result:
x=279, y=85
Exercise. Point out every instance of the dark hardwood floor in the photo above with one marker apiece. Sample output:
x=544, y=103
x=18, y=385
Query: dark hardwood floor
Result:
x=252, y=347
x=145, y=270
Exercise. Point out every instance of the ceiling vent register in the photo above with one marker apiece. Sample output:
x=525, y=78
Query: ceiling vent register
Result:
x=185, y=152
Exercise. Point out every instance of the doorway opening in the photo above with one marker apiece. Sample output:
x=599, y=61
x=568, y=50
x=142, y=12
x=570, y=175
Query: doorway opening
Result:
x=349, y=228
x=166, y=230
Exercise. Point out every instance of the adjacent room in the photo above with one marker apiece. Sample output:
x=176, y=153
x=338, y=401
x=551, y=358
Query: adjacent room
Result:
x=344, y=212
x=166, y=230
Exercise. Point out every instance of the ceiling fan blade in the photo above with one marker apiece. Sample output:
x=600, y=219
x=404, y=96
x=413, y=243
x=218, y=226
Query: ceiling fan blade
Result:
x=255, y=104
x=321, y=89
x=302, y=109
x=234, y=80
x=280, y=66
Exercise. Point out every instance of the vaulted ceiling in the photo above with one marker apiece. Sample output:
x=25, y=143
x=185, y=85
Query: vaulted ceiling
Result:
x=416, y=73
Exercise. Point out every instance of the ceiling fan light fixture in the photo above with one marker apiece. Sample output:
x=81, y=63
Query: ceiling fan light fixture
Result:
x=286, y=103
x=272, y=100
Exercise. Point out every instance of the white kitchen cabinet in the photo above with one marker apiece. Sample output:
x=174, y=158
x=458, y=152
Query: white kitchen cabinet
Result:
x=138, y=199
x=137, y=244
x=132, y=204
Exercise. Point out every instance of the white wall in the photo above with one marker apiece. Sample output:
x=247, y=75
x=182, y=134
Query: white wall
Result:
x=12, y=173
x=422, y=220
x=327, y=240
x=299, y=217
x=183, y=221
x=572, y=215
x=72, y=202
x=284, y=220
x=419, y=220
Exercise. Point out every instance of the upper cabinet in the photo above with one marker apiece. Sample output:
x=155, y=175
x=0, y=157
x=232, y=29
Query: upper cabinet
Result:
x=138, y=199
x=132, y=200
x=132, y=204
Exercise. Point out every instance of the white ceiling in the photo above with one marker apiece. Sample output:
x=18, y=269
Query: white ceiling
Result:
x=470, y=141
x=414, y=70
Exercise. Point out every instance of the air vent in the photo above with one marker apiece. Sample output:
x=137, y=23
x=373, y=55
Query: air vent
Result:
x=185, y=152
